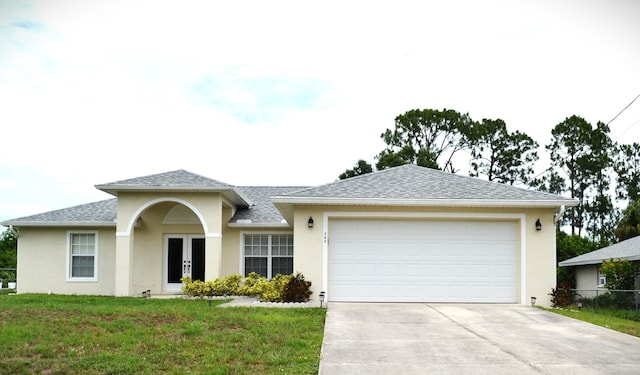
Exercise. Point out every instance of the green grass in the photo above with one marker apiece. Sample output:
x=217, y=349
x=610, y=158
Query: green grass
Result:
x=106, y=335
x=617, y=320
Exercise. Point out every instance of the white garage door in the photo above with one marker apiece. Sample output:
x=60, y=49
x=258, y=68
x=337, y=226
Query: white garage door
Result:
x=422, y=261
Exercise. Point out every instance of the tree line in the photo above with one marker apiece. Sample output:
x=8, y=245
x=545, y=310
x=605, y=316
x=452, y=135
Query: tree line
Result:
x=585, y=163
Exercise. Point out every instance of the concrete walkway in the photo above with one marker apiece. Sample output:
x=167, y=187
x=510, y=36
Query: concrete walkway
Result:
x=370, y=338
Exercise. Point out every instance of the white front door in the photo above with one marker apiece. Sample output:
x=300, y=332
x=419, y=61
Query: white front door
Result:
x=183, y=256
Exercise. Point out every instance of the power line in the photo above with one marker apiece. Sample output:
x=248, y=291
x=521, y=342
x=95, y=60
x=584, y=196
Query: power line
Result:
x=627, y=129
x=623, y=109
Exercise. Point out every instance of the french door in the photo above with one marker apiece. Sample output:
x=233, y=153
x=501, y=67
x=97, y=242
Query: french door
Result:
x=183, y=256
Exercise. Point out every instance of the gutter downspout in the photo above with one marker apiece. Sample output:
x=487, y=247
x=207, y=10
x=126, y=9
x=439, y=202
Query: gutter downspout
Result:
x=14, y=231
x=558, y=215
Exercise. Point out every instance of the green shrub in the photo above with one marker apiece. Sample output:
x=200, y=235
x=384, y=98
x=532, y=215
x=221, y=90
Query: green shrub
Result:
x=611, y=300
x=619, y=304
x=272, y=290
x=562, y=295
x=282, y=288
x=297, y=289
x=620, y=273
x=251, y=286
x=231, y=285
x=192, y=288
x=266, y=291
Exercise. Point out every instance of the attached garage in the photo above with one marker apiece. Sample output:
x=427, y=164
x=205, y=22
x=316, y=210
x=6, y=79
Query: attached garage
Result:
x=414, y=234
x=418, y=260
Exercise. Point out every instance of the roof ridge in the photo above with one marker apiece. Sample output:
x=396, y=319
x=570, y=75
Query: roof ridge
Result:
x=411, y=182
x=272, y=186
x=360, y=176
x=139, y=179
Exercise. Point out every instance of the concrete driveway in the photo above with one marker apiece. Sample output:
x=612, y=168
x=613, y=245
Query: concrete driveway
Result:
x=418, y=338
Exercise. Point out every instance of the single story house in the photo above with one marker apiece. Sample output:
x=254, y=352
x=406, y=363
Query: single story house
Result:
x=587, y=266
x=404, y=234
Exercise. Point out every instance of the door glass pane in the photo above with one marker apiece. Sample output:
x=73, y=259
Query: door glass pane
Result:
x=174, y=260
x=197, y=259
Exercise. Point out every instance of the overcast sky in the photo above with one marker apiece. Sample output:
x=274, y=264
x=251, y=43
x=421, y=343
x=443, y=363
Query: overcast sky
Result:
x=285, y=92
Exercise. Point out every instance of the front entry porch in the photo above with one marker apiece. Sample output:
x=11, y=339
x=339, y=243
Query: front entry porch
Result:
x=165, y=239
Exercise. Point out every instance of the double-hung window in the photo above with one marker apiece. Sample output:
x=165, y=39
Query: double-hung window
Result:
x=82, y=256
x=602, y=279
x=268, y=254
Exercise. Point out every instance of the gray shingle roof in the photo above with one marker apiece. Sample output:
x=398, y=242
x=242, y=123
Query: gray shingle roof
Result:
x=406, y=184
x=101, y=213
x=262, y=210
x=628, y=249
x=411, y=182
x=179, y=178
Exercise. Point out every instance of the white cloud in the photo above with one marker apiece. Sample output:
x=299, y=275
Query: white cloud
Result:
x=284, y=92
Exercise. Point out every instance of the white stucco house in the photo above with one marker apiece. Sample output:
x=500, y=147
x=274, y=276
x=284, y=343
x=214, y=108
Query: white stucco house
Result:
x=587, y=266
x=404, y=234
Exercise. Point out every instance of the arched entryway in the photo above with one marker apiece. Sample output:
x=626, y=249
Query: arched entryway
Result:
x=183, y=252
x=168, y=238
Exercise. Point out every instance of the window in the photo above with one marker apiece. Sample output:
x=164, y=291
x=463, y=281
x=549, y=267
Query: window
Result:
x=268, y=254
x=82, y=260
x=602, y=279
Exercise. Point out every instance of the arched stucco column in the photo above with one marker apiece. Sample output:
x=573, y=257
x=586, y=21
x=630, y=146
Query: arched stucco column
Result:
x=213, y=256
x=124, y=261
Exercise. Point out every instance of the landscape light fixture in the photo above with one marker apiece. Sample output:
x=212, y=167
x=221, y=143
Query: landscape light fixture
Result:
x=310, y=222
x=538, y=225
x=533, y=301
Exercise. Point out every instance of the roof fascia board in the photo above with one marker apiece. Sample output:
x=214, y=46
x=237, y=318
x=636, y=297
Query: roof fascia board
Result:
x=425, y=202
x=595, y=261
x=59, y=223
x=117, y=188
x=259, y=225
x=230, y=192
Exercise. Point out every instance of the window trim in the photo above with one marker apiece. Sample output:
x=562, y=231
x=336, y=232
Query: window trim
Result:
x=68, y=275
x=601, y=277
x=270, y=255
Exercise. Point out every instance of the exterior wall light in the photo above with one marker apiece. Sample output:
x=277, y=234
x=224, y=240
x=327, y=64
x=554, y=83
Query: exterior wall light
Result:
x=533, y=301
x=538, y=225
x=310, y=222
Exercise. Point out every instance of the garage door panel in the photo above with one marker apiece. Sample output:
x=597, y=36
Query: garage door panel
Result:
x=422, y=261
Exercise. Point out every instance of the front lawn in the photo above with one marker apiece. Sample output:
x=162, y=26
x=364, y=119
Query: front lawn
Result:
x=619, y=320
x=98, y=335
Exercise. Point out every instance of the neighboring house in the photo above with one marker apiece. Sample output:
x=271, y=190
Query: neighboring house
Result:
x=587, y=266
x=404, y=234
